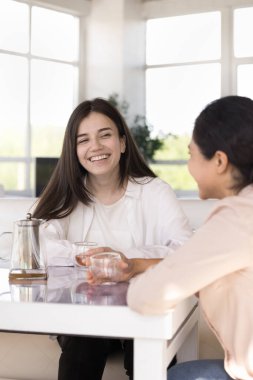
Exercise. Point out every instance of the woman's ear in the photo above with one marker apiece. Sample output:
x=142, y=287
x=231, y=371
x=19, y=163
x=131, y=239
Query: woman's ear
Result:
x=221, y=160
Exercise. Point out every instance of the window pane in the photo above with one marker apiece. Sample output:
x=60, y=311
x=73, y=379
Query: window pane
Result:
x=14, y=26
x=245, y=80
x=243, y=31
x=177, y=176
x=174, y=148
x=52, y=101
x=12, y=176
x=13, y=100
x=59, y=39
x=176, y=95
x=184, y=38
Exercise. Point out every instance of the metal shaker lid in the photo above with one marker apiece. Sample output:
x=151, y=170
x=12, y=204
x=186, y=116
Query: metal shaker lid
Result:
x=29, y=221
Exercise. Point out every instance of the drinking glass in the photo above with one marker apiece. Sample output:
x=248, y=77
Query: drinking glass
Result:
x=104, y=266
x=79, y=253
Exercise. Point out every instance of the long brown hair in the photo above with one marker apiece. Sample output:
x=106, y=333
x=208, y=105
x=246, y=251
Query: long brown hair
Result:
x=66, y=186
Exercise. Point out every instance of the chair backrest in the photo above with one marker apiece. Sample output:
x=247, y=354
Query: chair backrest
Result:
x=197, y=210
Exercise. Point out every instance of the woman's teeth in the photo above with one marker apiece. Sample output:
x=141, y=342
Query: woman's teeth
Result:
x=98, y=158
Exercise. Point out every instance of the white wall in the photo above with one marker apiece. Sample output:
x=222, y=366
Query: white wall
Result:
x=104, y=58
x=115, y=51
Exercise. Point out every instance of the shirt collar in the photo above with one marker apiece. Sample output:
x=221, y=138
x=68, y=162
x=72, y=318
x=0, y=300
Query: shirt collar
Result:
x=134, y=186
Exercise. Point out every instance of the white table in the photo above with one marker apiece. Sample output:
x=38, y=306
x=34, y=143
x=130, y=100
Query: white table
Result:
x=66, y=304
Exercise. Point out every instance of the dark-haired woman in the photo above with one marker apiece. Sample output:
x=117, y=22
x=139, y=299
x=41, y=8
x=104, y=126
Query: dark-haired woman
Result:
x=103, y=191
x=219, y=256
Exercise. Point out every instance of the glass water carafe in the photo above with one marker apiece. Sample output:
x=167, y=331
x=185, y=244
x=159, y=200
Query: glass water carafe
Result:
x=27, y=261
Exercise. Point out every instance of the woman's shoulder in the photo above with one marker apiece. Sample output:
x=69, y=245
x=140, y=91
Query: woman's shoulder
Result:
x=158, y=184
x=152, y=184
x=237, y=208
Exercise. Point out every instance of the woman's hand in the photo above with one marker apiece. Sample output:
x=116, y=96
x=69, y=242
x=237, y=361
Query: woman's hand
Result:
x=124, y=267
x=127, y=268
x=83, y=258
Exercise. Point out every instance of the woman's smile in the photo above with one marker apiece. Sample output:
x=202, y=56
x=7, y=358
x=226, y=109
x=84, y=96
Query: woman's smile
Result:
x=100, y=157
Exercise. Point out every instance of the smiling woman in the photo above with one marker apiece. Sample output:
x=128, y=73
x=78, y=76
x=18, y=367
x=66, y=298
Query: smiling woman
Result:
x=103, y=191
x=99, y=148
x=98, y=158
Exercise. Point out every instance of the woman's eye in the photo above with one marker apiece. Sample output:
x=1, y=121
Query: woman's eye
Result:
x=83, y=141
x=105, y=135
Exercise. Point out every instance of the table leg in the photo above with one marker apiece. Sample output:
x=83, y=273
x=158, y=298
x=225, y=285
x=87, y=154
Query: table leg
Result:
x=150, y=359
x=189, y=349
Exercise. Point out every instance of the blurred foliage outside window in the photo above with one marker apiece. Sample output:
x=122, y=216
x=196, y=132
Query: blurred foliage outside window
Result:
x=156, y=149
x=178, y=176
x=140, y=128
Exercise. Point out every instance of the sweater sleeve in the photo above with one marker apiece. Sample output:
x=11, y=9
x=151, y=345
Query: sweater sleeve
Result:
x=54, y=244
x=221, y=246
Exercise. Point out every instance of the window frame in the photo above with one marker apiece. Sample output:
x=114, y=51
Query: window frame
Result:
x=27, y=159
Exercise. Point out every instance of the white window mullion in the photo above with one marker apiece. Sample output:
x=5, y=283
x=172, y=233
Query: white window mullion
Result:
x=82, y=60
x=29, y=128
x=227, y=85
x=234, y=62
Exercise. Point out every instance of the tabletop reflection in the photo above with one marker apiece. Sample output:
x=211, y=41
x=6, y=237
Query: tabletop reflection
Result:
x=65, y=285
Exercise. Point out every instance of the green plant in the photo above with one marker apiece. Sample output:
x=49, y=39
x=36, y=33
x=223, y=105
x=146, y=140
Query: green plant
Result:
x=122, y=106
x=141, y=132
x=140, y=129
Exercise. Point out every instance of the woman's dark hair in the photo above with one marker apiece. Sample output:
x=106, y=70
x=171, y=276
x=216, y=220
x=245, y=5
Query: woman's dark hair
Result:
x=66, y=186
x=226, y=124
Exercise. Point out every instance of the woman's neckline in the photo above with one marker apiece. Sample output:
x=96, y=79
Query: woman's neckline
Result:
x=109, y=196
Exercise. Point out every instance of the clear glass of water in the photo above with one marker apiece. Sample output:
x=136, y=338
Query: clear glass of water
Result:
x=79, y=253
x=104, y=266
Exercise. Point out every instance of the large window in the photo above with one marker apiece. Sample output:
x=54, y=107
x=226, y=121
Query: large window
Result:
x=191, y=60
x=243, y=50
x=39, y=58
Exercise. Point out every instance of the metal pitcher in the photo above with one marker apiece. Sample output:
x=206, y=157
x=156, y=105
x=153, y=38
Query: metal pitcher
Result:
x=27, y=261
